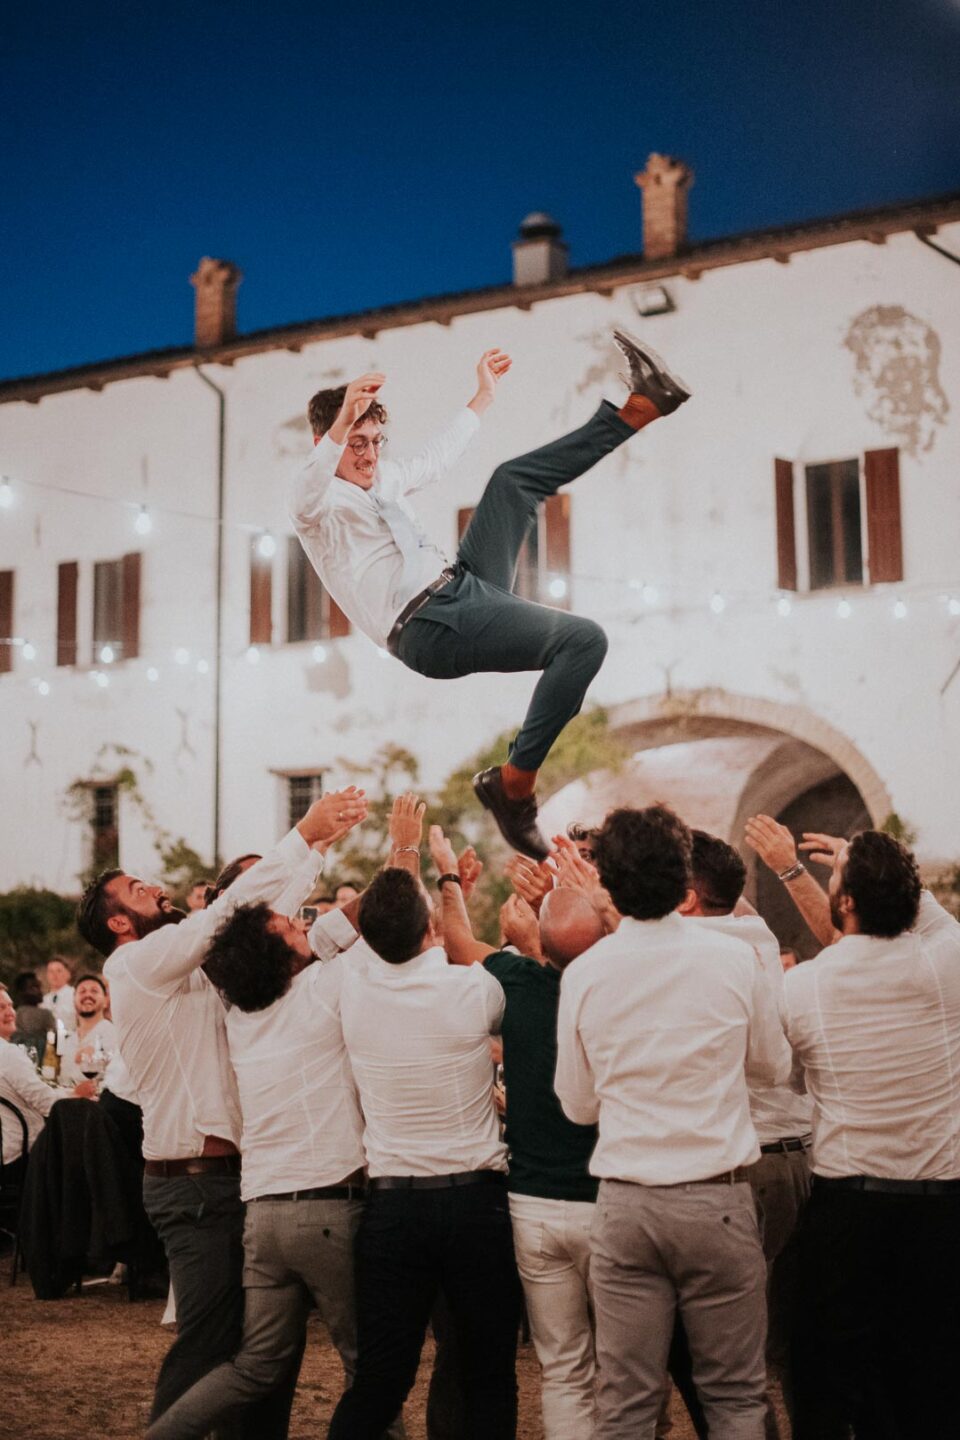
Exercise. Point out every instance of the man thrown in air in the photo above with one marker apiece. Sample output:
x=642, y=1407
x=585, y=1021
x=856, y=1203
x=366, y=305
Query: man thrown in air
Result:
x=445, y=620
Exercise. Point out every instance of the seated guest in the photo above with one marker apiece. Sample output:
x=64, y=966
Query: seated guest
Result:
x=417, y=1032
x=781, y=1177
x=93, y=1030
x=58, y=998
x=874, y=1021
x=302, y=1178
x=22, y=1086
x=170, y=1025
x=34, y=1023
x=658, y=1024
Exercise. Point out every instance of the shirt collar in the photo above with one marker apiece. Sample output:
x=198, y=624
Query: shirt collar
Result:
x=433, y=959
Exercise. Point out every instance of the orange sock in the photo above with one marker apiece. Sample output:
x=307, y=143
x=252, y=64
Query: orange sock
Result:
x=638, y=411
x=517, y=784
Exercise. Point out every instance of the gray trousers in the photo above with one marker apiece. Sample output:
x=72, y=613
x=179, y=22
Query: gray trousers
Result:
x=696, y=1248
x=296, y=1252
x=474, y=624
x=781, y=1187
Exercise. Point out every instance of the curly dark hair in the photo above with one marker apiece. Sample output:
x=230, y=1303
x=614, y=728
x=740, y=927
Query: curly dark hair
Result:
x=881, y=877
x=95, y=909
x=394, y=915
x=248, y=963
x=643, y=857
x=324, y=407
x=717, y=873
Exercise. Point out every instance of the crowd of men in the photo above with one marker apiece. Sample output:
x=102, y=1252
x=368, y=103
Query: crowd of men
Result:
x=713, y=1169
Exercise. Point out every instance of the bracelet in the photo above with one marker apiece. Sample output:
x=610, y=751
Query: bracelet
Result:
x=792, y=872
x=449, y=876
x=402, y=849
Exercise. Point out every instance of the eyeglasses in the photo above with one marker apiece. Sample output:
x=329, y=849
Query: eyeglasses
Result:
x=376, y=442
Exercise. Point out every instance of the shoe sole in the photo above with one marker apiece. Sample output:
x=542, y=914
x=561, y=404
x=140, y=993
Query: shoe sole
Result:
x=655, y=360
x=479, y=784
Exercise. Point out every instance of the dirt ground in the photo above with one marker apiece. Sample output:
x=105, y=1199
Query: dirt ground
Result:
x=83, y=1369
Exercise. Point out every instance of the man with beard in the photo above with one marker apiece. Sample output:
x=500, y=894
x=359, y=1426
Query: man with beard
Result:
x=170, y=1025
x=90, y=1004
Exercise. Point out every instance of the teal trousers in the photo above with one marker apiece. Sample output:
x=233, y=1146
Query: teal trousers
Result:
x=474, y=624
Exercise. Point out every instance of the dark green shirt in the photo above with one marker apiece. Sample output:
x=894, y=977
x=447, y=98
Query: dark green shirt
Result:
x=548, y=1153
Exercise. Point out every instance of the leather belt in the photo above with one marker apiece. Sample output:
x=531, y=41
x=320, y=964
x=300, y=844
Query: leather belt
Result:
x=726, y=1177
x=783, y=1147
x=417, y=603
x=319, y=1192
x=874, y=1185
x=437, y=1182
x=196, y=1165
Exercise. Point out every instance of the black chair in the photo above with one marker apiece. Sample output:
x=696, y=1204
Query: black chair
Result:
x=11, y=1183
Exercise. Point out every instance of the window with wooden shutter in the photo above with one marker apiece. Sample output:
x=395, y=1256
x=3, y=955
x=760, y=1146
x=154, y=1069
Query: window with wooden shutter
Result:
x=543, y=565
x=884, y=531
x=786, y=530
x=312, y=614
x=261, y=595
x=833, y=524
x=130, y=600
x=67, y=576
x=6, y=621
x=116, y=609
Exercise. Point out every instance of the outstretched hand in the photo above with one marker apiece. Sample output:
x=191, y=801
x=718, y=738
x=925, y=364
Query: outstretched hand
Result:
x=332, y=816
x=821, y=849
x=493, y=365
x=406, y=822
x=772, y=841
x=358, y=399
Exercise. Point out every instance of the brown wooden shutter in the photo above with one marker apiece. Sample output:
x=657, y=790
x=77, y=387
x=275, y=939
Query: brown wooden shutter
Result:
x=338, y=624
x=6, y=621
x=786, y=532
x=464, y=517
x=67, y=576
x=261, y=596
x=130, y=619
x=556, y=533
x=884, y=533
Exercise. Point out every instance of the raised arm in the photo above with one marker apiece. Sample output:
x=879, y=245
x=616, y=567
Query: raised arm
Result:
x=776, y=847
x=458, y=938
x=310, y=486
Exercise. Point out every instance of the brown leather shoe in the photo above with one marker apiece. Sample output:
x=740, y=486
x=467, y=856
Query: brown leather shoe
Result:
x=649, y=376
x=516, y=819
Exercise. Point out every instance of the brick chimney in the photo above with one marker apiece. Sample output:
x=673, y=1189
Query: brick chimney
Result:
x=215, y=313
x=539, y=252
x=664, y=183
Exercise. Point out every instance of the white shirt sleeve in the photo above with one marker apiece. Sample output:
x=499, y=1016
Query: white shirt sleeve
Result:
x=574, y=1082
x=330, y=934
x=932, y=920
x=161, y=960
x=309, y=488
x=432, y=462
x=769, y=1057
x=26, y=1083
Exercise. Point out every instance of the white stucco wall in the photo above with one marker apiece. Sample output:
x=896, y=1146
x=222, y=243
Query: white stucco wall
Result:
x=688, y=507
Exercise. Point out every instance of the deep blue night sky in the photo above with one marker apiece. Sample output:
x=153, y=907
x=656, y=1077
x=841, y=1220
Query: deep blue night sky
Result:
x=390, y=151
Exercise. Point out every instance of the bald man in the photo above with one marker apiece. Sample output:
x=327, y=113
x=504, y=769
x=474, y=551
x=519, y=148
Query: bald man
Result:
x=552, y=1194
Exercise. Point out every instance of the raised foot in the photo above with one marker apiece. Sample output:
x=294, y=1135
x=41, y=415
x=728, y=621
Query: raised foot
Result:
x=649, y=375
x=516, y=819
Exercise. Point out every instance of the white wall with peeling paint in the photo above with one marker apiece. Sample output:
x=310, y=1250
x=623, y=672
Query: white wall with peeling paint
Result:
x=838, y=351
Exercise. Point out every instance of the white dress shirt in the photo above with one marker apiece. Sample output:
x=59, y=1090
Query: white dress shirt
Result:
x=366, y=545
x=777, y=1111
x=20, y=1084
x=875, y=1025
x=302, y=1126
x=170, y=1019
x=70, y=1072
x=418, y=1037
x=659, y=1025
x=61, y=1007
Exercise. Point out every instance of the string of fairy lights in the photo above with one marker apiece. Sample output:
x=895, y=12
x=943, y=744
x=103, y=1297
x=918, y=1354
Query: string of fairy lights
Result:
x=649, y=601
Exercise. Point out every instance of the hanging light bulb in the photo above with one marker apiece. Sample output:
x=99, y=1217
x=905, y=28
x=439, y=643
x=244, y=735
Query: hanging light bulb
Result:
x=900, y=610
x=319, y=653
x=107, y=655
x=6, y=493
x=784, y=606
x=844, y=610
x=253, y=655
x=144, y=521
x=153, y=674
x=953, y=605
x=43, y=688
x=557, y=588
x=28, y=651
x=182, y=655
x=650, y=594
x=717, y=603
x=202, y=667
x=266, y=546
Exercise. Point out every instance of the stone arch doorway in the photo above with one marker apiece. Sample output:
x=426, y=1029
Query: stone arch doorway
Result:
x=719, y=758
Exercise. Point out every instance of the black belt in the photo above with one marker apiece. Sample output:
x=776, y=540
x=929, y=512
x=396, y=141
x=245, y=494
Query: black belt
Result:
x=437, y=1182
x=197, y=1165
x=782, y=1147
x=417, y=603
x=319, y=1192
x=872, y=1185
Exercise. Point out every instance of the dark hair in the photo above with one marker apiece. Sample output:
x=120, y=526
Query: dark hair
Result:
x=225, y=879
x=643, y=857
x=92, y=975
x=394, y=915
x=95, y=909
x=717, y=873
x=247, y=962
x=881, y=877
x=26, y=979
x=324, y=407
